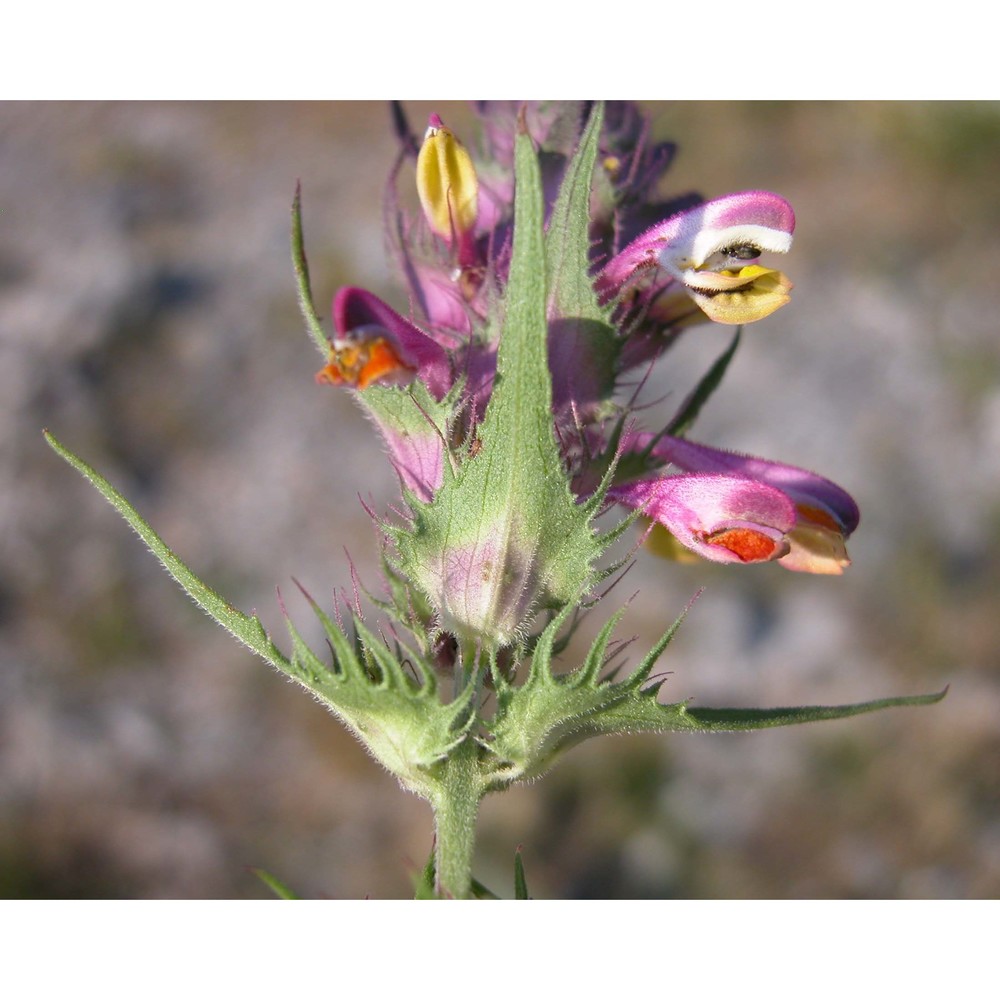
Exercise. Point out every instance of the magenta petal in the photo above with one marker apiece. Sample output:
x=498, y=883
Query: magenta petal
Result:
x=748, y=208
x=355, y=307
x=722, y=518
x=804, y=487
x=442, y=300
x=418, y=459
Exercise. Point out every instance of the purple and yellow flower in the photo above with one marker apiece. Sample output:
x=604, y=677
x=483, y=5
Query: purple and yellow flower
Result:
x=657, y=269
x=824, y=514
x=712, y=252
x=721, y=518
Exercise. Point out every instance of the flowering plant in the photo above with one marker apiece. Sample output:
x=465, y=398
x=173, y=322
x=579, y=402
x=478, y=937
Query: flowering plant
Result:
x=542, y=278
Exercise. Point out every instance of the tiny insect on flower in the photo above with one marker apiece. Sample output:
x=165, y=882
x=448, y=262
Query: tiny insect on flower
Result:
x=712, y=251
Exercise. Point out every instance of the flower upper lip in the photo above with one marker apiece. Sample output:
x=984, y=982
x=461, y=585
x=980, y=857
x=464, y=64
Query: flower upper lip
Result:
x=354, y=308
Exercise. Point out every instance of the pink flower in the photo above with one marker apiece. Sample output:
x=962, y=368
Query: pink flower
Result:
x=825, y=514
x=711, y=250
x=722, y=518
x=374, y=344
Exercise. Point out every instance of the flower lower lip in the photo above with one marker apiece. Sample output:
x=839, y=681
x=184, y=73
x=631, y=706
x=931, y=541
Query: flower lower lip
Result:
x=747, y=544
x=711, y=293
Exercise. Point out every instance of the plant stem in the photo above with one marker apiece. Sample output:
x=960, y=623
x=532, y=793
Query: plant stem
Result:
x=456, y=804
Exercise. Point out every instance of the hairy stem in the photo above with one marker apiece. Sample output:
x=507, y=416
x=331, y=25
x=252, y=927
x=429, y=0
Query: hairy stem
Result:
x=456, y=804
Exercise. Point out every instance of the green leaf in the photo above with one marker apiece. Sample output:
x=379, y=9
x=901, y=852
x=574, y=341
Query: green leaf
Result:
x=400, y=720
x=306, y=304
x=479, y=891
x=639, y=712
x=519, y=443
x=423, y=881
x=567, y=249
x=581, y=337
x=275, y=885
x=520, y=882
x=535, y=721
x=691, y=407
x=550, y=713
x=735, y=719
x=247, y=629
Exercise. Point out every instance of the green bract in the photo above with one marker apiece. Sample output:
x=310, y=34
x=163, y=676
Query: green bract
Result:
x=504, y=536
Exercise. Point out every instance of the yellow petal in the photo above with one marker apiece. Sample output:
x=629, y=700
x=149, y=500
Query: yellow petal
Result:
x=743, y=296
x=662, y=543
x=815, y=549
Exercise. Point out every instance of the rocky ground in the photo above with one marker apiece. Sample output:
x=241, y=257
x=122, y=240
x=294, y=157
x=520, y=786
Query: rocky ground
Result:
x=148, y=318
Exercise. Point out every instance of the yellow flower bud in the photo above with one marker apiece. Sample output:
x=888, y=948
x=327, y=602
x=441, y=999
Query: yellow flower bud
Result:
x=446, y=183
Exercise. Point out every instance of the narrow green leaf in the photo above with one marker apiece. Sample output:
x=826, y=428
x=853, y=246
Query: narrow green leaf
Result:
x=306, y=666
x=533, y=724
x=640, y=712
x=641, y=673
x=520, y=882
x=733, y=719
x=571, y=291
x=537, y=722
x=392, y=675
x=423, y=881
x=540, y=671
x=403, y=725
x=521, y=404
x=275, y=885
x=479, y=891
x=581, y=337
x=301, y=265
x=710, y=381
x=247, y=629
x=591, y=669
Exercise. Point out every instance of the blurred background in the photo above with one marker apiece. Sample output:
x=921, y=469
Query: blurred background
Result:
x=148, y=318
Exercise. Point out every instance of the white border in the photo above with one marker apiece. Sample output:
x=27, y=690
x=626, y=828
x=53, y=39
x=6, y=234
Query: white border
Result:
x=515, y=49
